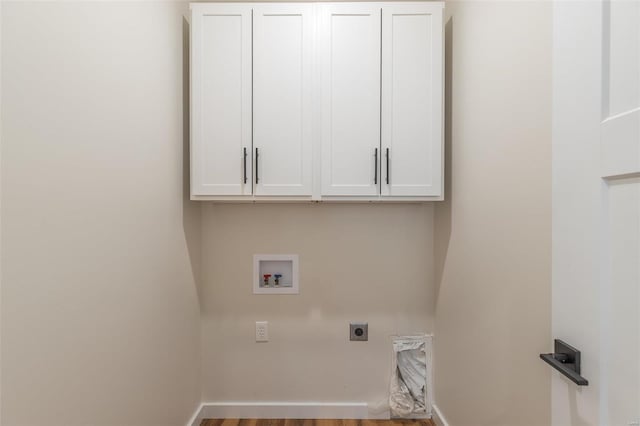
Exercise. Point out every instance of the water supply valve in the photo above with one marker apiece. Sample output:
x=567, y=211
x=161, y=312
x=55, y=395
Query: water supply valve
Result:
x=266, y=279
x=277, y=277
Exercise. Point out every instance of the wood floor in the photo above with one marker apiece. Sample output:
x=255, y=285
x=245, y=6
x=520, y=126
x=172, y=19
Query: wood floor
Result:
x=324, y=422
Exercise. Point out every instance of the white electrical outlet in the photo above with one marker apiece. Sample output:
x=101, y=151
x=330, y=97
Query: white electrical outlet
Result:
x=262, y=331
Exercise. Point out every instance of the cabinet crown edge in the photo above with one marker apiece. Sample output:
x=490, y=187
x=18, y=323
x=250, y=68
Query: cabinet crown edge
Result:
x=202, y=5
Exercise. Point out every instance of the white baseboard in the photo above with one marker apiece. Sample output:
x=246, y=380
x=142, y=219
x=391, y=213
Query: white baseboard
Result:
x=438, y=417
x=280, y=410
x=196, y=419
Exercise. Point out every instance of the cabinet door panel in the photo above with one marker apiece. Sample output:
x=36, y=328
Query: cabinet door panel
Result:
x=221, y=100
x=282, y=41
x=350, y=99
x=412, y=100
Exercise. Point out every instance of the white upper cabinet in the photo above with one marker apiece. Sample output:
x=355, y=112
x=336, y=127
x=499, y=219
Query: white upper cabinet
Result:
x=412, y=95
x=317, y=101
x=350, y=98
x=221, y=100
x=282, y=67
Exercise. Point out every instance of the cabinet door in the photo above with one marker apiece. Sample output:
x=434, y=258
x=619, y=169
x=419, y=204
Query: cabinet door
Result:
x=221, y=100
x=350, y=99
x=282, y=53
x=412, y=93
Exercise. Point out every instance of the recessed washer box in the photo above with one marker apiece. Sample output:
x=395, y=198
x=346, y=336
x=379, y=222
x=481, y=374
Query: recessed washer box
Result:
x=275, y=274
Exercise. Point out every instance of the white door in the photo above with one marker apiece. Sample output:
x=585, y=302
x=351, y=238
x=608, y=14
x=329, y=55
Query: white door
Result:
x=412, y=93
x=349, y=39
x=282, y=109
x=596, y=209
x=221, y=100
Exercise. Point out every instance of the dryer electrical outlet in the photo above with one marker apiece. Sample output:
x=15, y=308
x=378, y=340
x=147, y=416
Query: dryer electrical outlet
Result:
x=359, y=332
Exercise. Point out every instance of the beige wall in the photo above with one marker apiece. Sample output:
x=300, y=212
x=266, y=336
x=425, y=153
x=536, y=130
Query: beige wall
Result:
x=357, y=263
x=100, y=321
x=493, y=234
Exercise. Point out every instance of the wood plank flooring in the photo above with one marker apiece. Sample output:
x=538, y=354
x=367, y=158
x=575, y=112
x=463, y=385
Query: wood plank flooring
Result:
x=309, y=422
